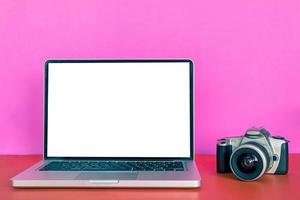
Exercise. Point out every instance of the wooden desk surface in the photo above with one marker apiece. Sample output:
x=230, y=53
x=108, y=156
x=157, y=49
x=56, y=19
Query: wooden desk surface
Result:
x=214, y=186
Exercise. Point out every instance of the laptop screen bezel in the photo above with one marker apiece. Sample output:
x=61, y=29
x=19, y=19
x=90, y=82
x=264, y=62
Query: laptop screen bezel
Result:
x=191, y=106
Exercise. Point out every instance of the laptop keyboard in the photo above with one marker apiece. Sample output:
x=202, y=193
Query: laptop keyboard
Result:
x=113, y=166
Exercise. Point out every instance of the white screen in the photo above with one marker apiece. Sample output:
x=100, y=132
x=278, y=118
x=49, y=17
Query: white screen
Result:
x=119, y=109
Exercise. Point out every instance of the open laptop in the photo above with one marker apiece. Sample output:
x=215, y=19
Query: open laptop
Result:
x=116, y=123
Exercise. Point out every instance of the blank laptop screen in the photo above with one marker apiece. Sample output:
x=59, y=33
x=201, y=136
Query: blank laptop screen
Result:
x=118, y=109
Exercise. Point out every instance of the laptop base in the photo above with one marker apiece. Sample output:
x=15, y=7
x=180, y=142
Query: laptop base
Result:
x=34, y=178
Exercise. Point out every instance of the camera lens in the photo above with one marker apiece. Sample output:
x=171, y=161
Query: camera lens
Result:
x=249, y=161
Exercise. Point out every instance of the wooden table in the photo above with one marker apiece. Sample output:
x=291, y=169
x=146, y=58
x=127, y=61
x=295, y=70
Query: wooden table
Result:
x=214, y=186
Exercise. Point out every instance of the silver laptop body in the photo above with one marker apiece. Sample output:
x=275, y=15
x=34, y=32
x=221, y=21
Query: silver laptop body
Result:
x=116, y=123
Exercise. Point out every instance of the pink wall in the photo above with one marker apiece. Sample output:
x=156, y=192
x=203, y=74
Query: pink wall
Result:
x=247, y=57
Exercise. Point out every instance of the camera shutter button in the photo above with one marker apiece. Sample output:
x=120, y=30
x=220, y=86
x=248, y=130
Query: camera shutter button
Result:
x=278, y=137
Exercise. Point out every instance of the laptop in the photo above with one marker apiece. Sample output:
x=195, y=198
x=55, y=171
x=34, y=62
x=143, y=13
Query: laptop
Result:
x=116, y=123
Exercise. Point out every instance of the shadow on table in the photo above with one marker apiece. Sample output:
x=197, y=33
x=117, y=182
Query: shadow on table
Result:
x=94, y=193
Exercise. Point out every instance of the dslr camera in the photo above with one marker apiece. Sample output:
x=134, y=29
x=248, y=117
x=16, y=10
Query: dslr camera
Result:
x=252, y=155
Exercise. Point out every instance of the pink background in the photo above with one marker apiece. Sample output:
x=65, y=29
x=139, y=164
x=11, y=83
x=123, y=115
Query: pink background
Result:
x=246, y=54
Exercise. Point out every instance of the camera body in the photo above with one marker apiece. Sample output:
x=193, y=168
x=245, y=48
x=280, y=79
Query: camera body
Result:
x=252, y=155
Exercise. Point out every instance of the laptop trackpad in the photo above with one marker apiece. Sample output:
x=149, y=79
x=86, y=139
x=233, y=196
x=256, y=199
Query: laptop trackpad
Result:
x=107, y=176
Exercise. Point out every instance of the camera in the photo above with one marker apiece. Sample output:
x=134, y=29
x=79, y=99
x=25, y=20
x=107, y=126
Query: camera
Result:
x=252, y=155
